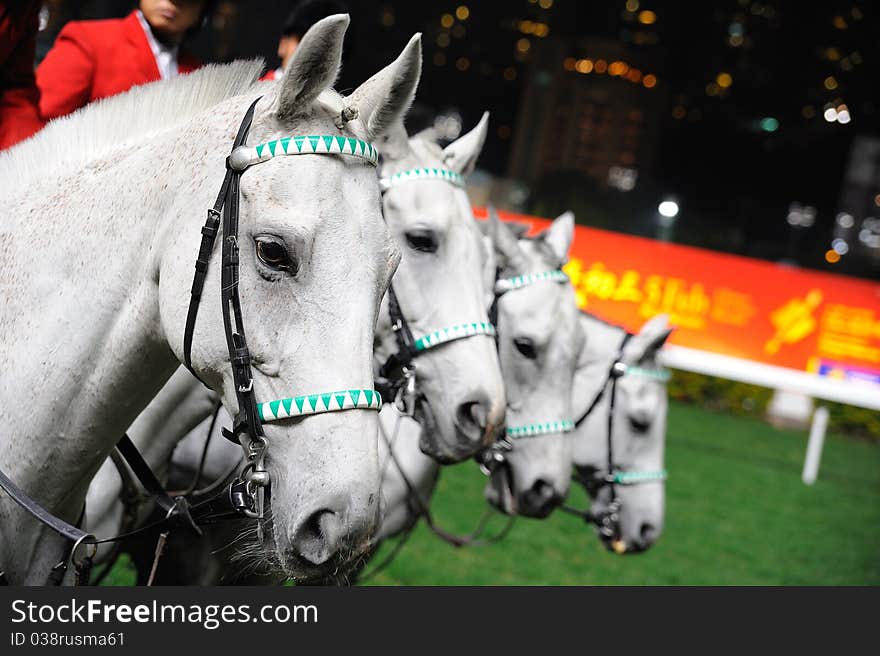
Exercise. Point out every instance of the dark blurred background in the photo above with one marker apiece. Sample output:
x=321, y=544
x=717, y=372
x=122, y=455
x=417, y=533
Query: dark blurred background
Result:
x=758, y=119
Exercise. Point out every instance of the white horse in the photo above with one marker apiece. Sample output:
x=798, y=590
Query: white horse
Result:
x=540, y=340
x=623, y=472
x=102, y=213
x=441, y=294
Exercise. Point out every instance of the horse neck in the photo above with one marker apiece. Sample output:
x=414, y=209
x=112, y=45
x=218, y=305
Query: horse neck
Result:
x=100, y=324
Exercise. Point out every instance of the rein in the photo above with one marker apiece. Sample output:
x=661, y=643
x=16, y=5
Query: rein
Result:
x=245, y=494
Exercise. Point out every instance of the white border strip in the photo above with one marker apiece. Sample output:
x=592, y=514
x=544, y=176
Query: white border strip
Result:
x=863, y=395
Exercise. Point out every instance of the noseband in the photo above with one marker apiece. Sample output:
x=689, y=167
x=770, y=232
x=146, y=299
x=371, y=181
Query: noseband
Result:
x=608, y=521
x=396, y=379
x=245, y=494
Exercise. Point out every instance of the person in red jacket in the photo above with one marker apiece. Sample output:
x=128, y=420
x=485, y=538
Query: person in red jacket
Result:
x=100, y=58
x=19, y=112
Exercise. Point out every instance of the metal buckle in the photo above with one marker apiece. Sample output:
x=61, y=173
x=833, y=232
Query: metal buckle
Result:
x=77, y=544
x=405, y=400
x=256, y=479
x=493, y=457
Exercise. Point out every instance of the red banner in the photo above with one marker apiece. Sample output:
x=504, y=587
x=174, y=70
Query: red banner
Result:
x=735, y=306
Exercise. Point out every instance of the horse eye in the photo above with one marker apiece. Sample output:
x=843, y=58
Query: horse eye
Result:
x=426, y=242
x=275, y=256
x=526, y=346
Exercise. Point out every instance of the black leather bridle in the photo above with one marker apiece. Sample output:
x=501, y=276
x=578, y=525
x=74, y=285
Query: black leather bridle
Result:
x=397, y=373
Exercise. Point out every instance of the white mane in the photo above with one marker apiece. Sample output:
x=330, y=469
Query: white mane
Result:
x=144, y=111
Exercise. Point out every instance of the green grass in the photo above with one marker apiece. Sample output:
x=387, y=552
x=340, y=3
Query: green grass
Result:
x=737, y=513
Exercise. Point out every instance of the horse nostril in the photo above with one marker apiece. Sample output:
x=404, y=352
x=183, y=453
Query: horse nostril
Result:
x=540, y=499
x=648, y=533
x=317, y=538
x=472, y=417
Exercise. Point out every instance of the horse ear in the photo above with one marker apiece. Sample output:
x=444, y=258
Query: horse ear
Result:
x=559, y=236
x=461, y=155
x=314, y=65
x=393, y=143
x=386, y=97
x=649, y=339
x=505, y=242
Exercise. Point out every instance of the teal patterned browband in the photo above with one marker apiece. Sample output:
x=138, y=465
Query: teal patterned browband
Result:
x=634, y=477
x=424, y=173
x=531, y=430
x=452, y=333
x=660, y=375
x=314, y=404
x=245, y=156
x=507, y=284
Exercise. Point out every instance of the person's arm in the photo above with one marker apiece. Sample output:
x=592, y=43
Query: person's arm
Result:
x=19, y=114
x=65, y=76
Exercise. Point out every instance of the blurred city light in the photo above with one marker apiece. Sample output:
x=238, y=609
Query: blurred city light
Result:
x=840, y=246
x=830, y=114
x=769, y=124
x=845, y=220
x=832, y=256
x=668, y=208
x=801, y=216
x=584, y=66
x=622, y=178
x=448, y=125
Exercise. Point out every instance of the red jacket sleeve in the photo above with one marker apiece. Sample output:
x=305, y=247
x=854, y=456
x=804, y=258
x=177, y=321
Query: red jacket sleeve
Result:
x=19, y=116
x=66, y=75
